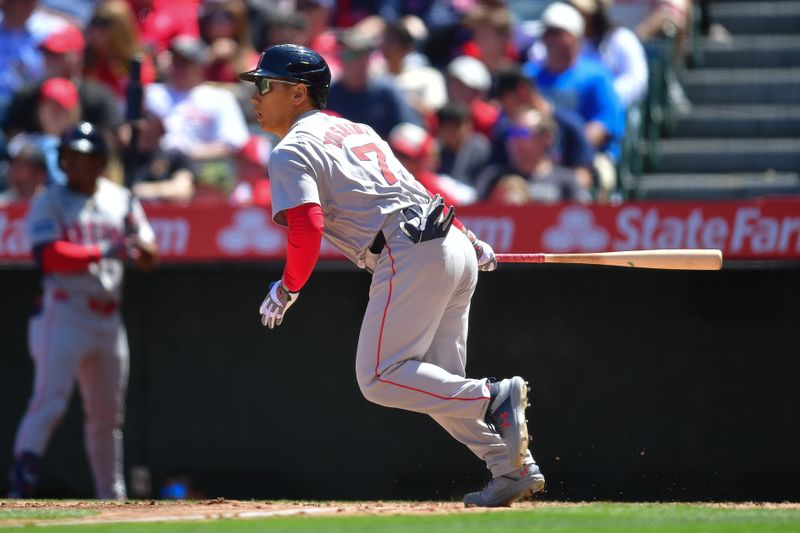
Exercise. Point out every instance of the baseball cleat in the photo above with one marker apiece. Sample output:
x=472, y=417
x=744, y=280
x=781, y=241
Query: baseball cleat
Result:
x=503, y=490
x=24, y=476
x=506, y=416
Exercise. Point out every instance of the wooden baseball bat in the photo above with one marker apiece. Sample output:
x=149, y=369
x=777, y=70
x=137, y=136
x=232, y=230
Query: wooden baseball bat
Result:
x=692, y=259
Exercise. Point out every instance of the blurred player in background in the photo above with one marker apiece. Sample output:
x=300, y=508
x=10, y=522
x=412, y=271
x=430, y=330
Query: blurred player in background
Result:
x=81, y=233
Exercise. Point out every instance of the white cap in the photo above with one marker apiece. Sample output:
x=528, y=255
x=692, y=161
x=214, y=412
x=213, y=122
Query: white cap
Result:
x=563, y=17
x=471, y=72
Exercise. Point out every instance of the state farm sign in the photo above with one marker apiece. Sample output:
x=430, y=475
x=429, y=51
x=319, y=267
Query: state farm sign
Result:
x=766, y=229
x=759, y=229
x=749, y=229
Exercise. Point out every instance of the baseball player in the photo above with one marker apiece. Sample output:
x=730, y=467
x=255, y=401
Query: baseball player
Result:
x=336, y=178
x=80, y=234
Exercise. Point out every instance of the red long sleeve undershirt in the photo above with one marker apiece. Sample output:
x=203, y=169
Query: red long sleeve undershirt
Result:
x=66, y=257
x=302, y=250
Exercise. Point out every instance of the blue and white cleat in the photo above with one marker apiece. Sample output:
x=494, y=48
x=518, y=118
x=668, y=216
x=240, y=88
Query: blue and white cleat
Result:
x=506, y=416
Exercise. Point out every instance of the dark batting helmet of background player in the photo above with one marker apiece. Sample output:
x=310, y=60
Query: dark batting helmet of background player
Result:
x=291, y=62
x=85, y=138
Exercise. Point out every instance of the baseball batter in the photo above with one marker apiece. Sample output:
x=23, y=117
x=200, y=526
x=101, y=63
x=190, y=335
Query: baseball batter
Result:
x=336, y=178
x=80, y=234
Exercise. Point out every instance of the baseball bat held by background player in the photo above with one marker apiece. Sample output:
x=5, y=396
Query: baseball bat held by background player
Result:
x=690, y=259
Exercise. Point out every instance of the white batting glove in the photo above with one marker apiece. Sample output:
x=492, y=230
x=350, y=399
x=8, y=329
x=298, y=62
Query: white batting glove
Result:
x=276, y=304
x=486, y=259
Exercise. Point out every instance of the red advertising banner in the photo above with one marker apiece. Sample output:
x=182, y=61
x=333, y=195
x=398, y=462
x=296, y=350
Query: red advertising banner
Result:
x=764, y=229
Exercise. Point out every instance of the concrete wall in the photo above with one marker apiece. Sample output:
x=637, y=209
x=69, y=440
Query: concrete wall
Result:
x=647, y=385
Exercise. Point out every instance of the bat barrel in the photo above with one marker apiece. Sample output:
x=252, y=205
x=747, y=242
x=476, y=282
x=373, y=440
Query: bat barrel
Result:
x=688, y=259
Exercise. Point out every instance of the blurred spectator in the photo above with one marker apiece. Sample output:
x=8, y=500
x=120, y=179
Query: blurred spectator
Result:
x=260, y=13
x=77, y=12
x=617, y=47
x=359, y=97
x=63, y=58
x=201, y=121
x=570, y=148
x=159, y=174
x=319, y=36
x=27, y=172
x=708, y=28
x=23, y=26
x=574, y=82
x=531, y=175
x=224, y=28
x=58, y=108
x=656, y=18
x=252, y=187
x=416, y=149
x=468, y=83
x=112, y=41
x=422, y=85
x=463, y=152
x=285, y=27
x=160, y=21
x=491, y=27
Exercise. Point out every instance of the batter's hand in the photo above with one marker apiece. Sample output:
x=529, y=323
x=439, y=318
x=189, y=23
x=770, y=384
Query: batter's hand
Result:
x=486, y=259
x=144, y=254
x=119, y=248
x=276, y=304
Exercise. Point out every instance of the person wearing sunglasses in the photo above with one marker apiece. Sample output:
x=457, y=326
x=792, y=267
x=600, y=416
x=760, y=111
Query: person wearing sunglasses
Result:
x=333, y=177
x=531, y=175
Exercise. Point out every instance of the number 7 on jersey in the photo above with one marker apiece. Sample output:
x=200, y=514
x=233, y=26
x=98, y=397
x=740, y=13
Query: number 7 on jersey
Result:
x=362, y=152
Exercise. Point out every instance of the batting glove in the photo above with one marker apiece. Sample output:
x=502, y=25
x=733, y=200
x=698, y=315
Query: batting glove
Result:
x=276, y=304
x=486, y=259
x=117, y=249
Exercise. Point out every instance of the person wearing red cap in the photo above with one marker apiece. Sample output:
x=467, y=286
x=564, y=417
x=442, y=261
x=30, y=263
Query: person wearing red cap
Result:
x=417, y=151
x=57, y=110
x=63, y=58
x=22, y=27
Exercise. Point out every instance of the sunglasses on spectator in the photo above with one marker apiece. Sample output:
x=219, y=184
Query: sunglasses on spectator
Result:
x=263, y=85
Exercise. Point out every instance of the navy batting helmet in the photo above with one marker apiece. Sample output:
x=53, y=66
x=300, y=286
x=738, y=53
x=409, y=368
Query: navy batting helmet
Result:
x=291, y=62
x=85, y=138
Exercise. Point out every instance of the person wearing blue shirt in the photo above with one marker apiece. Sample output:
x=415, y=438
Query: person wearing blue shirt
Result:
x=22, y=28
x=572, y=81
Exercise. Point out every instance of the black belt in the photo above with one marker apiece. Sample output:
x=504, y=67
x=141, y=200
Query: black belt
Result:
x=377, y=245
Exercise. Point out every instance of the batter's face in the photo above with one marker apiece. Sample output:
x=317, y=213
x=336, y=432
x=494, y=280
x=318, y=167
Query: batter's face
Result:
x=277, y=106
x=82, y=170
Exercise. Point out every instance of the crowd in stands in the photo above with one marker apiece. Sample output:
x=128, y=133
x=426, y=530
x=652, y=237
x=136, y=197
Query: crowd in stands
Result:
x=479, y=105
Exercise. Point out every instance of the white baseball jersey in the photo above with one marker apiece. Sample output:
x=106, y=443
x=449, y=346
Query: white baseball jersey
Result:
x=412, y=346
x=78, y=336
x=60, y=213
x=349, y=171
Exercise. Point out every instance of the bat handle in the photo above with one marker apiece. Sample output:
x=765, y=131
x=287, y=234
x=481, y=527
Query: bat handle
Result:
x=520, y=258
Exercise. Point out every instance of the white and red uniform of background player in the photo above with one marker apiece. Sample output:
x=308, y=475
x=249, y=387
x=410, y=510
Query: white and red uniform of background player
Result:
x=336, y=178
x=79, y=241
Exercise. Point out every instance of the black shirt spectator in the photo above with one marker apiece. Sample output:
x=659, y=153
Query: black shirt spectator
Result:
x=463, y=153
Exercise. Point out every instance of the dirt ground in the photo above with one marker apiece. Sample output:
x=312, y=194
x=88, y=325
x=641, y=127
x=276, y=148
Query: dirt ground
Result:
x=165, y=511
